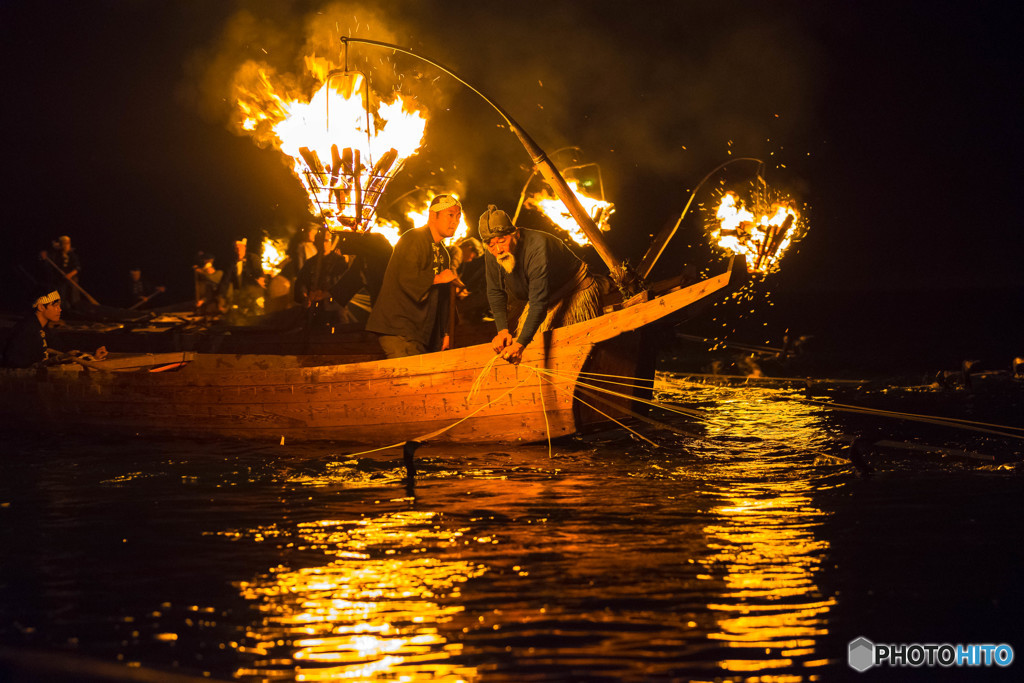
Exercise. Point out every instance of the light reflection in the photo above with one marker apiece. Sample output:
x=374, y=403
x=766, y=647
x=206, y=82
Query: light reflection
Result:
x=763, y=549
x=373, y=611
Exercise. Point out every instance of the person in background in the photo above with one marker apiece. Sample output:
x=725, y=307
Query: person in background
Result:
x=321, y=288
x=538, y=268
x=207, y=281
x=305, y=248
x=244, y=283
x=140, y=291
x=26, y=346
x=63, y=268
x=472, y=301
x=412, y=313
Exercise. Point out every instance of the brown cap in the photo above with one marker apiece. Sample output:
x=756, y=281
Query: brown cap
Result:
x=495, y=223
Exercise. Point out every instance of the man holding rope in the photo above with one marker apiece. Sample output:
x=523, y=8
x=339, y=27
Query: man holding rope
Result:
x=26, y=345
x=537, y=268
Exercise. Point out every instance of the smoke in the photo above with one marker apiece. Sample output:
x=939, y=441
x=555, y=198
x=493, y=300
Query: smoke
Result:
x=656, y=95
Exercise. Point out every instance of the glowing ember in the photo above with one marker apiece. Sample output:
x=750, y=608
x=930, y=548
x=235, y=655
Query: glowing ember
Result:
x=553, y=208
x=761, y=235
x=273, y=255
x=343, y=155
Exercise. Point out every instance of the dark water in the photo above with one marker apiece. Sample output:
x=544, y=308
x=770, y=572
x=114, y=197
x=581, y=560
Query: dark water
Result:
x=750, y=550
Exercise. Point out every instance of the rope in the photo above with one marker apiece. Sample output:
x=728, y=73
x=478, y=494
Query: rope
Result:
x=803, y=380
x=596, y=410
x=657, y=404
x=544, y=410
x=942, y=421
x=475, y=387
x=545, y=375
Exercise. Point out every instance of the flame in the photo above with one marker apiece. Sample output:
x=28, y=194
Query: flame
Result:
x=273, y=255
x=553, y=208
x=762, y=235
x=342, y=148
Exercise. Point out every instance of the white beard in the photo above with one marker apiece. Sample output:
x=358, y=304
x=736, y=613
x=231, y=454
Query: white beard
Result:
x=507, y=261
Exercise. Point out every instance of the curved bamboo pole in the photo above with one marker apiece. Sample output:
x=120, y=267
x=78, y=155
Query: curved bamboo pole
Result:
x=624, y=276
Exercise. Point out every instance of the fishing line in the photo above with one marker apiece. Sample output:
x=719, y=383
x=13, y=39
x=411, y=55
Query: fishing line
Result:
x=802, y=380
x=946, y=422
x=942, y=421
x=690, y=412
x=438, y=432
x=544, y=410
x=596, y=410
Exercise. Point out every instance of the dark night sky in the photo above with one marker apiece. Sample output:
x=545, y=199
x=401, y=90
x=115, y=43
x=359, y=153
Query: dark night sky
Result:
x=898, y=123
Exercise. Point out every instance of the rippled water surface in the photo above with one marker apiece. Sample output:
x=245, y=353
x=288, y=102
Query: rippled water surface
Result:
x=749, y=549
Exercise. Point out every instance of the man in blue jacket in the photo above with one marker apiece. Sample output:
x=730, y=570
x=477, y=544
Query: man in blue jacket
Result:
x=537, y=268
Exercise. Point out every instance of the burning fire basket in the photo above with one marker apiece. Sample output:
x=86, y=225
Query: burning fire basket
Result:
x=348, y=187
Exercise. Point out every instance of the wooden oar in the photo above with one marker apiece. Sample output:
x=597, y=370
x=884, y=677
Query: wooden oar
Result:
x=71, y=280
x=145, y=299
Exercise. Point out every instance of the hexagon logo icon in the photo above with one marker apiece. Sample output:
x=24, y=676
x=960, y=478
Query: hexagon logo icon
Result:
x=861, y=656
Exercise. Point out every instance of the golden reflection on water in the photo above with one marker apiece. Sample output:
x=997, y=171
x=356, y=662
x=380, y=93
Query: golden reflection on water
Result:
x=372, y=612
x=761, y=538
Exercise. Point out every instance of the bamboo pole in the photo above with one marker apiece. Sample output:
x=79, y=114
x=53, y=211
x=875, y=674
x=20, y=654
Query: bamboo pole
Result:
x=75, y=284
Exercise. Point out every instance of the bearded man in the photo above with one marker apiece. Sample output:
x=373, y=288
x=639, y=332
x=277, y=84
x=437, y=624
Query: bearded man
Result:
x=537, y=268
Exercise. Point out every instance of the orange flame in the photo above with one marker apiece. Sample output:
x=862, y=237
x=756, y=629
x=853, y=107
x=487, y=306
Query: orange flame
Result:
x=762, y=238
x=553, y=208
x=273, y=255
x=342, y=148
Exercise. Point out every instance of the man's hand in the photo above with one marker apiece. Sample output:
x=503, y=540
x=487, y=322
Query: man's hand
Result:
x=503, y=339
x=446, y=343
x=513, y=353
x=445, y=276
x=101, y=353
x=316, y=296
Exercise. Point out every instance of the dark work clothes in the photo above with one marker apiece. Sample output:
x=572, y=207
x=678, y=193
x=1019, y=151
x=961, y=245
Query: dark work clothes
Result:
x=544, y=265
x=242, y=278
x=207, y=284
x=371, y=252
x=410, y=304
x=474, y=306
x=138, y=290
x=368, y=255
x=26, y=344
x=331, y=273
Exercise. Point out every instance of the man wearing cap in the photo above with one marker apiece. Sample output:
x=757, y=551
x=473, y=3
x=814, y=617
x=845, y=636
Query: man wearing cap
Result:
x=537, y=268
x=26, y=345
x=412, y=312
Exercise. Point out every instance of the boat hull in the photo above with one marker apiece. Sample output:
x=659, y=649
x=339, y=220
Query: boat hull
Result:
x=463, y=394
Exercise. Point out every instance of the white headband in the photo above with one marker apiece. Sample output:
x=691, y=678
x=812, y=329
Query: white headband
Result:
x=444, y=201
x=49, y=298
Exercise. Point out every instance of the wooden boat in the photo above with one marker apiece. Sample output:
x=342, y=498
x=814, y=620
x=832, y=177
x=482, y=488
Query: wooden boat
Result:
x=463, y=394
